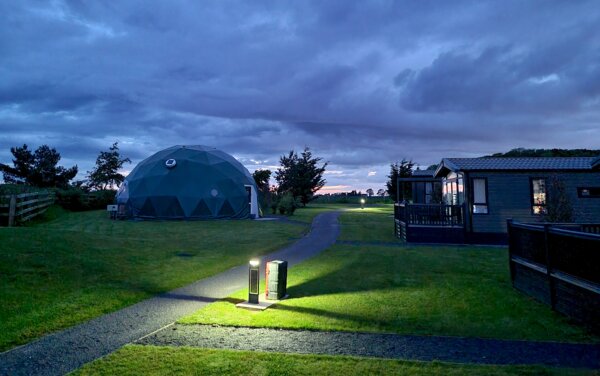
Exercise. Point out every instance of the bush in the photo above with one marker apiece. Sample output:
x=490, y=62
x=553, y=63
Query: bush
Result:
x=288, y=204
x=75, y=199
x=70, y=199
x=274, y=203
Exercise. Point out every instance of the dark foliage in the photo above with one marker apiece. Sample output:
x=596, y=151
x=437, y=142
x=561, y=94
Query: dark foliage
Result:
x=521, y=152
x=559, y=208
x=287, y=204
x=38, y=169
x=261, y=177
x=399, y=170
x=106, y=172
x=75, y=199
x=300, y=175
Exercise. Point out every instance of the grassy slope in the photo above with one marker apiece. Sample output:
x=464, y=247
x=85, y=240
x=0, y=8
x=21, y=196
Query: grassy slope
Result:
x=80, y=265
x=308, y=213
x=150, y=360
x=371, y=224
x=462, y=291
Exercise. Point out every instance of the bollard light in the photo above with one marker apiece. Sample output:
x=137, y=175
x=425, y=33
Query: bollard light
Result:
x=362, y=203
x=253, y=280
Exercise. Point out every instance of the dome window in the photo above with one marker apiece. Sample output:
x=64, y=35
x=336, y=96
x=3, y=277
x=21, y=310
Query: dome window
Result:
x=170, y=163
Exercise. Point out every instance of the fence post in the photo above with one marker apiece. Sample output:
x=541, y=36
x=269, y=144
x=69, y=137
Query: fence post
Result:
x=511, y=245
x=396, y=220
x=551, y=286
x=12, y=210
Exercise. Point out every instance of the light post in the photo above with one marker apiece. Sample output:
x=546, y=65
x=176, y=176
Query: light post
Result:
x=362, y=203
x=253, y=281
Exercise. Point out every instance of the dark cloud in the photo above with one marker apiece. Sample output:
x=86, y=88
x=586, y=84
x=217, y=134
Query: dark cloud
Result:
x=362, y=83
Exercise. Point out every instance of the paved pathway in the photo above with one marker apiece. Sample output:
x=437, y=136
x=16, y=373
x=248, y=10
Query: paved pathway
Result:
x=64, y=351
x=393, y=346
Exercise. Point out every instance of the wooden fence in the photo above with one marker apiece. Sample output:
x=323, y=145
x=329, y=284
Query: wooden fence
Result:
x=559, y=265
x=20, y=208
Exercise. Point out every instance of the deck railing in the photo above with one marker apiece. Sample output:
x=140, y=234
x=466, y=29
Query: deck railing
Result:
x=429, y=223
x=430, y=214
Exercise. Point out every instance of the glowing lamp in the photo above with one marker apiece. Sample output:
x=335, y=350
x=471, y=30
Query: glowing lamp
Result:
x=253, y=281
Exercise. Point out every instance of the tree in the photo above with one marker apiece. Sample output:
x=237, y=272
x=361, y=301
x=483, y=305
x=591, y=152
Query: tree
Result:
x=381, y=192
x=300, y=175
x=399, y=170
x=522, y=152
x=106, y=172
x=370, y=192
x=261, y=178
x=558, y=207
x=38, y=169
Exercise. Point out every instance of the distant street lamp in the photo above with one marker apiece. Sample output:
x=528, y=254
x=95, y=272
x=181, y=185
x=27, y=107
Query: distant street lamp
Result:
x=253, y=280
x=362, y=203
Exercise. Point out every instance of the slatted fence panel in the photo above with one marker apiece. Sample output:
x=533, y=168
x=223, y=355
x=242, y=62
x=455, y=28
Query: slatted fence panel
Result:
x=560, y=266
x=20, y=208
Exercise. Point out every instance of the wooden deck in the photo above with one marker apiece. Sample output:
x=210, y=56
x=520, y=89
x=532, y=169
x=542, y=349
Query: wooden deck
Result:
x=430, y=223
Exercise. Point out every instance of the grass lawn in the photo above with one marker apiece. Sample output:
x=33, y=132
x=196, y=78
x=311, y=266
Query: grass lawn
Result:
x=371, y=224
x=308, y=213
x=455, y=291
x=150, y=360
x=80, y=265
x=424, y=290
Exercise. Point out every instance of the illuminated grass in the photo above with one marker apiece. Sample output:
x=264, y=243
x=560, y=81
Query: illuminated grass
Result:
x=151, y=360
x=81, y=265
x=371, y=224
x=455, y=291
x=307, y=214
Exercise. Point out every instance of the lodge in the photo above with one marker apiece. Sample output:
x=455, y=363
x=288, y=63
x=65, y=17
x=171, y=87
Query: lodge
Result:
x=469, y=200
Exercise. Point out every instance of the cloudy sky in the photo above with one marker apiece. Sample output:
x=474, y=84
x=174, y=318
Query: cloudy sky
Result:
x=361, y=83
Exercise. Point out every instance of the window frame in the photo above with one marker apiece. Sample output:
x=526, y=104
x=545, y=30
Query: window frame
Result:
x=532, y=202
x=472, y=194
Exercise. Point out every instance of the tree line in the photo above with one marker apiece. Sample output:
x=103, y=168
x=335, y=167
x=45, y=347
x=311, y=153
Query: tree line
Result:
x=40, y=168
x=298, y=178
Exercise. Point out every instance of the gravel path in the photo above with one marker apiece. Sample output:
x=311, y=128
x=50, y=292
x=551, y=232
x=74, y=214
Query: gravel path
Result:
x=67, y=350
x=423, y=348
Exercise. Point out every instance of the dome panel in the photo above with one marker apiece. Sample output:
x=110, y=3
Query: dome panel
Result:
x=226, y=210
x=203, y=183
x=202, y=210
x=147, y=209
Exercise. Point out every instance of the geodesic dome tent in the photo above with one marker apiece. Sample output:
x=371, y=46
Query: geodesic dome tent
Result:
x=189, y=182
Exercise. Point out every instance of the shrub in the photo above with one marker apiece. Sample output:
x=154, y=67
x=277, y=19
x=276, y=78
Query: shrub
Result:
x=288, y=204
x=75, y=199
x=70, y=199
x=274, y=203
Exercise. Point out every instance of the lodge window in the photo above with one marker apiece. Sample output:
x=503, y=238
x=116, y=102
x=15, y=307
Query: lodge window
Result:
x=588, y=192
x=480, y=199
x=539, y=196
x=453, y=189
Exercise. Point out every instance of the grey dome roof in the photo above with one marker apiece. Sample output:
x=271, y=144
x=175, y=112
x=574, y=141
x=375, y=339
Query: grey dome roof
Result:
x=187, y=182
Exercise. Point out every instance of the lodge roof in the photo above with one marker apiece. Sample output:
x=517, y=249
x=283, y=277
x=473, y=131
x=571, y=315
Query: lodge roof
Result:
x=428, y=173
x=517, y=164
